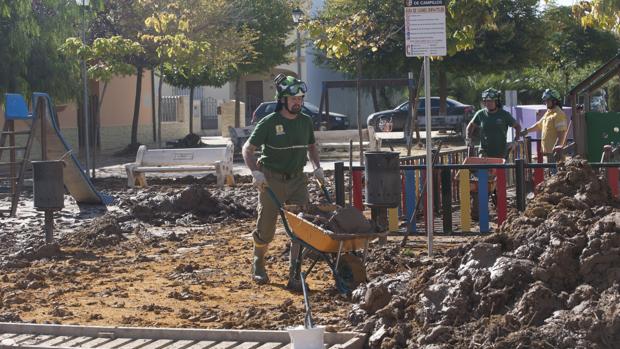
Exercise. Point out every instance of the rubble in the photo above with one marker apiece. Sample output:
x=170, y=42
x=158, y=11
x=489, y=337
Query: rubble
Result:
x=548, y=278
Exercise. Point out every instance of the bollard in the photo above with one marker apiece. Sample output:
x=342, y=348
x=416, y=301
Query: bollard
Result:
x=339, y=182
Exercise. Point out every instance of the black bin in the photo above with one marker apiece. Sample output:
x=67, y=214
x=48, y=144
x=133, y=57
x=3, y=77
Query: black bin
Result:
x=382, y=179
x=48, y=186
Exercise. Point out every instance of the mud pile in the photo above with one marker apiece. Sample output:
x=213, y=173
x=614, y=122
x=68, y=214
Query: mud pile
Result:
x=550, y=278
x=194, y=204
x=338, y=220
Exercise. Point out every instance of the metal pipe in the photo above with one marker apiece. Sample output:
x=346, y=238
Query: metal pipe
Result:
x=298, y=54
x=429, y=155
x=85, y=93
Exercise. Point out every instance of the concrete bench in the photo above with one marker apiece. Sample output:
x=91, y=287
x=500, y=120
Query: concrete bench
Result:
x=339, y=139
x=218, y=159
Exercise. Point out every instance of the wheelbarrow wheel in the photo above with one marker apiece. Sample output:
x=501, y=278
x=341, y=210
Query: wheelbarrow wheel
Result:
x=351, y=272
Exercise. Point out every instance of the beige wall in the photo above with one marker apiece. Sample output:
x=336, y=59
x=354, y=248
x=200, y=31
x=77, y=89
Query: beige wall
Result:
x=117, y=113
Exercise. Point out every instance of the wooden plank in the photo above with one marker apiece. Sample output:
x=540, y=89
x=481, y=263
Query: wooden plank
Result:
x=201, y=345
x=75, y=342
x=224, y=345
x=464, y=194
x=95, y=343
x=21, y=338
x=271, y=345
x=115, y=343
x=247, y=345
x=7, y=335
x=36, y=339
x=181, y=344
x=55, y=341
x=135, y=344
x=158, y=344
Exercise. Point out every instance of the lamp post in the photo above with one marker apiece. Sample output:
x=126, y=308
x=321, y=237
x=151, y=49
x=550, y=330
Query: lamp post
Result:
x=83, y=4
x=297, y=15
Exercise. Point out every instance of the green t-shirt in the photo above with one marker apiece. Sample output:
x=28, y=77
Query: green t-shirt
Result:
x=284, y=142
x=493, y=131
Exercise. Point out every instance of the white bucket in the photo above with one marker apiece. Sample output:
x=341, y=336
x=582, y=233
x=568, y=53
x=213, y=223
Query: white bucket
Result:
x=306, y=338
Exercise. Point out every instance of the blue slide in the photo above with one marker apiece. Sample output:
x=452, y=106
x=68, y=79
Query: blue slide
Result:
x=76, y=181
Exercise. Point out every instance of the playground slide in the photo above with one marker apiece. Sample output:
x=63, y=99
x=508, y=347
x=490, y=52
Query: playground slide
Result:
x=76, y=181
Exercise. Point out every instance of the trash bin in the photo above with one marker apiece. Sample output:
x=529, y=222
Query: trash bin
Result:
x=48, y=186
x=383, y=184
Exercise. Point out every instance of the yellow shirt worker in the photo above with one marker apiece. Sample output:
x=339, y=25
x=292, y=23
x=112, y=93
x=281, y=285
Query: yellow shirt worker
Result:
x=553, y=124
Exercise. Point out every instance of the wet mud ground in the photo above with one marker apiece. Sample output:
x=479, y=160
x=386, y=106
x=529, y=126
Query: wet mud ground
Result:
x=178, y=254
x=175, y=254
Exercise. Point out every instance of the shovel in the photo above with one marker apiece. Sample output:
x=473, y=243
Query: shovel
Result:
x=308, y=337
x=308, y=322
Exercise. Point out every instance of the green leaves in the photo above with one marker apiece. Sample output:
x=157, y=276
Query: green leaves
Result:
x=604, y=14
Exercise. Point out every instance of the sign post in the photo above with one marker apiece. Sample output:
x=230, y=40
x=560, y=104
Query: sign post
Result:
x=425, y=36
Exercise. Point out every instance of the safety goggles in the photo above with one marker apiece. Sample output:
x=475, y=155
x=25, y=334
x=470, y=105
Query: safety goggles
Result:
x=294, y=89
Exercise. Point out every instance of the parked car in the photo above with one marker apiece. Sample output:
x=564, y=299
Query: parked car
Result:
x=337, y=121
x=458, y=115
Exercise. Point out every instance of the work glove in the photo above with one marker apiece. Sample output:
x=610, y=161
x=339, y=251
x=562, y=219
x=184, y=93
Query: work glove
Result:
x=319, y=175
x=259, y=180
x=524, y=132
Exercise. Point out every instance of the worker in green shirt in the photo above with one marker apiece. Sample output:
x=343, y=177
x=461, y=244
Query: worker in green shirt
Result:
x=286, y=139
x=493, y=122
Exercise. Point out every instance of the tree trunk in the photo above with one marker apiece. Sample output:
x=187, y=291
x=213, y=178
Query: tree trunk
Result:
x=191, y=109
x=359, y=109
x=385, y=98
x=159, y=87
x=153, y=116
x=443, y=91
x=375, y=102
x=237, y=102
x=136, y=108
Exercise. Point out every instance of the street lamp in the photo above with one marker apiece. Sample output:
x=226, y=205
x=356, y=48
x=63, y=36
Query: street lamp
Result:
x=297, y=15
x=83, y=4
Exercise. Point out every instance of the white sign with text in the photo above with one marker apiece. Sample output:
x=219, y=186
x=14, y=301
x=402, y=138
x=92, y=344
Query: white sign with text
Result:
x=425, y=28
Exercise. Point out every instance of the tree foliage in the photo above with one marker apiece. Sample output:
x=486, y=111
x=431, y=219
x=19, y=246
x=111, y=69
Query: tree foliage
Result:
x=604, y=14
x=30, y=33
x=195, y=46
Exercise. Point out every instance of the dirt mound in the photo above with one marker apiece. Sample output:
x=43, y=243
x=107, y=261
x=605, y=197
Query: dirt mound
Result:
x=101, y=232
x=548, y=278
x=193, y=204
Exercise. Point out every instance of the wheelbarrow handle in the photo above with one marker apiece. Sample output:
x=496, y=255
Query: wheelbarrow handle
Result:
x=273, y=197
x=287, y=229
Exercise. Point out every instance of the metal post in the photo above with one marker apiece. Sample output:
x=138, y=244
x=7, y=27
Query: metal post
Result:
x=85, y=93
x=298, y=54
x=339, y=182
x=429, y=155
x=49, y=226
x=520, y=184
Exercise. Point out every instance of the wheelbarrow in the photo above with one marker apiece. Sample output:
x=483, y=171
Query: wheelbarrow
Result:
x=345, y=254
x=473, y=180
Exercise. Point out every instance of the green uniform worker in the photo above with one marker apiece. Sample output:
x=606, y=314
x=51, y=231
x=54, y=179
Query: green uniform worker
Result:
x=553, y=124
x=493, y=122
x=285, y=137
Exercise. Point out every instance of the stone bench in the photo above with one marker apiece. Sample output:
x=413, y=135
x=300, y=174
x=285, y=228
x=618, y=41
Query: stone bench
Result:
x=218, y=159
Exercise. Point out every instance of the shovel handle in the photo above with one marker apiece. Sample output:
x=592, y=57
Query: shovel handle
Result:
x=308, y=322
